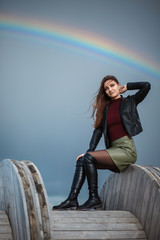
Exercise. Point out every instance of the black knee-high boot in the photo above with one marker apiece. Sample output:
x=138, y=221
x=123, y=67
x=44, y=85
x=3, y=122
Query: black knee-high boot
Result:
x=78, y=180
x=91, y=172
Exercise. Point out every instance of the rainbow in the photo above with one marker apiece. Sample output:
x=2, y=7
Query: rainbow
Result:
x=78, y=39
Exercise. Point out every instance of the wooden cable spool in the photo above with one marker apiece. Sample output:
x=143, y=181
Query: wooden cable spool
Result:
x=23, y=200
x=137, y=189
x=23, y=197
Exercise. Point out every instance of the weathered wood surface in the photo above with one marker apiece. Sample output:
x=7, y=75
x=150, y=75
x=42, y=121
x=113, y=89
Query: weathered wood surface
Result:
x=134, y=192
x=96, y=225
x=5, y=228
x=23, y=197
x=137, y=189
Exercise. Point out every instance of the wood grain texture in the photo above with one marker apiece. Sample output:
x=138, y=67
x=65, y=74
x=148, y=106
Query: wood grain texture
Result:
x=5, y=228
x=96, y=225
x=131, y=207
x=24, y=199
x=137, y=191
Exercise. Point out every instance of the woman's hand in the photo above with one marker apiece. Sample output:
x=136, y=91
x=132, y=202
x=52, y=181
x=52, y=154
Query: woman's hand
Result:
x=123, y=89
x=79, y=156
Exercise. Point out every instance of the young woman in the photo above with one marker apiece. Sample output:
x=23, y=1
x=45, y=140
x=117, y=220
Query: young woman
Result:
x=117, y=118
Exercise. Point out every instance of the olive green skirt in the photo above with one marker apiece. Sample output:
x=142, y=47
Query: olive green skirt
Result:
x=123, y=152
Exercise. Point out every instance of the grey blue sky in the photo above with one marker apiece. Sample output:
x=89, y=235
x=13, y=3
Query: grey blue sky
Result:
x=53, y=56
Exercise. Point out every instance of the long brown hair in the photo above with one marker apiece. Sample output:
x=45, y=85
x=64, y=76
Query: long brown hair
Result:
x=100, y=101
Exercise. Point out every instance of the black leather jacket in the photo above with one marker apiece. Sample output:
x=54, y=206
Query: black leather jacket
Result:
x=128, y=113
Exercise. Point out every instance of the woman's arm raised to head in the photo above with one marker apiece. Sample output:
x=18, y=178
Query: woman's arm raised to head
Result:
x=143, y=87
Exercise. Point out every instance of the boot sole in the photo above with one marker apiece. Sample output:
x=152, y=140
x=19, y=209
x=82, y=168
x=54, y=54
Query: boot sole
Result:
x=71, y=208
x=65, y=209
x=97, y=207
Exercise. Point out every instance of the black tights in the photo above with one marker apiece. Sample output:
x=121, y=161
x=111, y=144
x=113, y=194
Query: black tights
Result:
x=103, y=160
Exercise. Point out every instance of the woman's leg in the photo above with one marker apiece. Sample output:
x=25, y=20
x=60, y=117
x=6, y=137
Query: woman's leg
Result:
x=78, y=180
x=91, y=173
x=92, y=162
x=104, y=161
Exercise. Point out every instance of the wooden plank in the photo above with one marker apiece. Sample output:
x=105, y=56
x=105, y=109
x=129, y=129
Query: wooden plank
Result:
x=94, y=214
x=95, y=235
x=5, y=228
x=157, y=233
x=108, y=193
x=122, y=191
x=6, y=237
x=3, y=222
x=113, y=192
x=132, y=195
x=97, y=226
x=135, y=199
x=103, y=194
x=140, y=195
x=118, y=188
x=85, y=220
x=127, y=188
x=146, y=199
x=3, y=219
x=2, y=214
x=154, y=228
x=150, y=211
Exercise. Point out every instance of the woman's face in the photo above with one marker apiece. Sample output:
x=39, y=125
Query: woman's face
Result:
x=112, y=89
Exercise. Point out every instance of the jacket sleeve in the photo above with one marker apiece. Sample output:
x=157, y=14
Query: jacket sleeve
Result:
x=143, y=87
x=97, y=134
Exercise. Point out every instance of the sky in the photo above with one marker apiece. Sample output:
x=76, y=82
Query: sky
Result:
x=53, y=56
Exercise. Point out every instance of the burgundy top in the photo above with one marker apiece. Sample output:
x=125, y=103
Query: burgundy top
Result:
x=115, y=125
